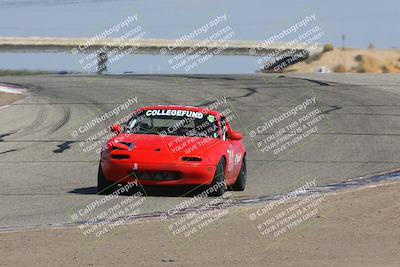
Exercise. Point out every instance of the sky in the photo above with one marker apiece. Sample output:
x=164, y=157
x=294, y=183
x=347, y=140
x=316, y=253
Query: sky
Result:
x=362, y=22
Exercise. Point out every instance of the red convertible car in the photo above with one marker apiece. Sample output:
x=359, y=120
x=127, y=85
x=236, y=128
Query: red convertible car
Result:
x=173, y=146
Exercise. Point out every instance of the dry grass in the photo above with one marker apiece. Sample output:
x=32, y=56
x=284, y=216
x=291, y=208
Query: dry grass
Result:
x=339, y=68
x=354, y=60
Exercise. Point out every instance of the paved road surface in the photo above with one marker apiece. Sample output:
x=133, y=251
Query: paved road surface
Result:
x=46, y=176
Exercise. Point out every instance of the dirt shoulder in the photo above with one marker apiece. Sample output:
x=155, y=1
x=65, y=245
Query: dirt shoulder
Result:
x=7, y=98
x=355, y=228
x=353, y=60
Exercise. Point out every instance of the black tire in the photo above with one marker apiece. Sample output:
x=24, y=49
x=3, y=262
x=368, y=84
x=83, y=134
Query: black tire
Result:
x=240, y=183
x=104, y=187
x=219, y=178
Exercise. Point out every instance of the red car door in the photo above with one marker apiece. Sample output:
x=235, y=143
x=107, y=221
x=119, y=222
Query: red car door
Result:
x=233, y=151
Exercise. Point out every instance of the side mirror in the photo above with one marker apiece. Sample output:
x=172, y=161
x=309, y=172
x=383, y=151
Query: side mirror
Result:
x=236, y=135
x=116, y=128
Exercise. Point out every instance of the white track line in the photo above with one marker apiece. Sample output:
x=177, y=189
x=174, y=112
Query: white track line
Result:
x=1, y=107
x=11, y=89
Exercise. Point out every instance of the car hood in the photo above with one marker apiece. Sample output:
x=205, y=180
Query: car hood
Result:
x=162, y=148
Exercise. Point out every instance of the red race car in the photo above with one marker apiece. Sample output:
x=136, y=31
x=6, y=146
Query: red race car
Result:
x=172, y=146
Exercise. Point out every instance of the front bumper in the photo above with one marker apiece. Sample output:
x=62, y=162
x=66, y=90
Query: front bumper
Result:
x=160, y=174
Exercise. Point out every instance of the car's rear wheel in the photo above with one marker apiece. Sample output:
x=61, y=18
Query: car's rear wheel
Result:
x=219, y=183
x=104, y=187
x=240, y=183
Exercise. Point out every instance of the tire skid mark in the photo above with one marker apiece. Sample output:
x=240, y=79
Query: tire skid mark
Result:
x=66, y=116
x=8, y=151
x=34, y=126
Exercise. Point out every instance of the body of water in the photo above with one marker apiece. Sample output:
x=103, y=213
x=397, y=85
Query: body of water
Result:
x=362, y=22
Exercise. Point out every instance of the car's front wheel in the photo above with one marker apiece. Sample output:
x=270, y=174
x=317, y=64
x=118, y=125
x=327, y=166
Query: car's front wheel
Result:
x=219, y=183
x=104, y=187
x=240, y=183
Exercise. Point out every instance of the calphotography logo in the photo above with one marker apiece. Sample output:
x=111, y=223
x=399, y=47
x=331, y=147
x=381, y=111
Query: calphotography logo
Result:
x=289, y=127
x=104, y=215
x=303, y=42
x=281, y=216
x=192, y=52
x=105, y=49
x=93, y=135
x=192, y=222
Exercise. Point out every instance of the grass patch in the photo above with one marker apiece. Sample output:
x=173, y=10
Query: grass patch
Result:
x=25, y=72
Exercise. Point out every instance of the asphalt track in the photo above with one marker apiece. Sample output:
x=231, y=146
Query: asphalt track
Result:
x=45, y=176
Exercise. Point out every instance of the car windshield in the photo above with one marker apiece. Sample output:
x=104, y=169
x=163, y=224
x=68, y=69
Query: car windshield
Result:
x=173, y=122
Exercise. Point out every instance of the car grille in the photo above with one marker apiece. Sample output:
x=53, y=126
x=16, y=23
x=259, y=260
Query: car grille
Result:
x=156, y=175
x=119, y=156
